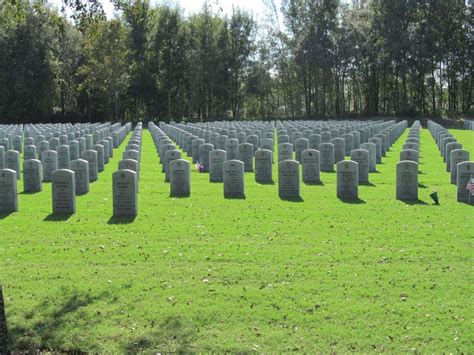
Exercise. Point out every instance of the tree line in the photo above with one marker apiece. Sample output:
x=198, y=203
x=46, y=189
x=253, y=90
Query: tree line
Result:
x=319, y=58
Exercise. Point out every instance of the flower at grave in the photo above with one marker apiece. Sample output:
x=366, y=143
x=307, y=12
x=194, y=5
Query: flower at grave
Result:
x=199, y=167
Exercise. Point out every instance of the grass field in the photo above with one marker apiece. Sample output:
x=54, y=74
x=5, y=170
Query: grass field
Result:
x=261, y=274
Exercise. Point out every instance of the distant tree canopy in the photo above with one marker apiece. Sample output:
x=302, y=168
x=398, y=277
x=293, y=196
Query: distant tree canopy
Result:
x=330, y=59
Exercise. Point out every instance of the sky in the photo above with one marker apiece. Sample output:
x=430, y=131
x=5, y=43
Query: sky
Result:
x=257, y=7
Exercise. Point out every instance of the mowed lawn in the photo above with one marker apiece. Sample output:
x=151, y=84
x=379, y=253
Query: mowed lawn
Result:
x=261, y=274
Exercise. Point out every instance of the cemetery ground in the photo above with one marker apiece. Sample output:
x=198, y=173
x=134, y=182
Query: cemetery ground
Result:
x=261, y=274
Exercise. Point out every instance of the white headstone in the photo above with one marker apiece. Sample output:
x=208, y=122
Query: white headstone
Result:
x=263, y=166
x=347, y=180
x=32, y=175
x=180, y=181
x=217, y=157
x=289, y=179
x=464, y=175
x=91, y=157
x=50, y=164
x=125, y=190
x=8, y=191
x=81, y=174
x=64, y=192
x=234, y=185
x=407, y=180
x=361, y=157
x=311, y=166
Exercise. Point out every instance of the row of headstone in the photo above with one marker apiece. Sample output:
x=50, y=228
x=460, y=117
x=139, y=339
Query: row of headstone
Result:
x=68, y=178
x=125, y=181
x=411, y=148
x=457, y=160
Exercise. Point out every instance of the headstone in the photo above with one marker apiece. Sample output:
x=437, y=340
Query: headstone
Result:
x=311, y=166
x=63, y=157
x=234, y=186
x=217, y=157
x=99, y=148
x=29, y=152
x=91, y=157
x=285, y=151
x=372, y=149
x=64, y=192
x=263, y=166
x=326, y=151
x=464, y=174
x=409, y=154
x=457, y=156
x=407, y=180
x=339, y=149
x=180, y=181
x=2, y=157
x=289, y=179
x=232, y=149
x=301, y=144
x=8, y=191
x=204, y=151
x=32, y=175
x=81, y=175
x=12, y=161
x=171, y=155
x=348, y=143
x=314, y=141
x=449, y=148
x=50, y=164
x=347, y=180
x=246, y=155
x=361, y=157
x=125, y=190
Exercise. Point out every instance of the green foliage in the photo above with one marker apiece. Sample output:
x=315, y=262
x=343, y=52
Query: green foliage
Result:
x=332, y=58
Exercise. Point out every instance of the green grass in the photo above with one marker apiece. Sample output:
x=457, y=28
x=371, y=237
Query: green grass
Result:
x=261, y=274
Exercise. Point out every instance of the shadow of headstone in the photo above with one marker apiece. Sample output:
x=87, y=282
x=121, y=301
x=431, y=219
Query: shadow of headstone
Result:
x=4, y=348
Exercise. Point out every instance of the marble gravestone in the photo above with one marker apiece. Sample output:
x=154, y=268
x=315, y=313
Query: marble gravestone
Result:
x=246, y=156
x=12, y=161
x=8, y=191
x=196, y=144
x=407, y=180
x=372, y=149
x=99, y=148
x=64, y=192
x=32, y=175
x=465, y=171
x=409, y=154
x=311, y=166
x=348, y=143
x=457, y=156
x=2, y=157
x=74, y=150
x=204, y=150
x=171, y=155
x=234, y=183
x=301, y=144
x=91, y=157
x=263, y=166
x=449, y=148
x=285, y=151
x=180, y=180
x=29, y=152
x=232, y=149
x=81, y=175
x=361, y=157
x=347, y=180
x=63, y=157
x=217, y=157
x=326, y=153
x=50, y=164
x=125, y=191
x=314, y=141
x=339, y=149
x=289, y=179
